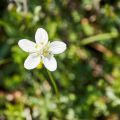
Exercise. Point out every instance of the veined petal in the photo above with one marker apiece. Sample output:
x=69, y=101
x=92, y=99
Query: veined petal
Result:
x=41, y=36
x=50, y=63
x=32, y=61
x=57, y=47
x=27, y=45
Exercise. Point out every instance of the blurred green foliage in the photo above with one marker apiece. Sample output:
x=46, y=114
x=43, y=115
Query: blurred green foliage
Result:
x=88, y=74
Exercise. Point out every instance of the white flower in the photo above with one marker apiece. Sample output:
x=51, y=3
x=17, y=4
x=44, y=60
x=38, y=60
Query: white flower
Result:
x=41, y=51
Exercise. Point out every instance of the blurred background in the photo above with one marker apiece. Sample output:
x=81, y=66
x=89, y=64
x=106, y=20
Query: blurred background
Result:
x=88, y=73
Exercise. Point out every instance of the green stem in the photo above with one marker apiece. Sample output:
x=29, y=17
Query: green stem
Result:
x=54, y=84
x=56, y=91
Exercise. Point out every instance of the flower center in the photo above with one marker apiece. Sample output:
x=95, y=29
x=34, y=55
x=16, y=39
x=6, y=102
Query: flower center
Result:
x=43, y=49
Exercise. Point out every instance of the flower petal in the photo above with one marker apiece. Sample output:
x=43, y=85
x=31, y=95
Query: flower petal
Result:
x=50, y=63
x=41, y=36
x=32, y=61
x=57, y=47
x=27, y=45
